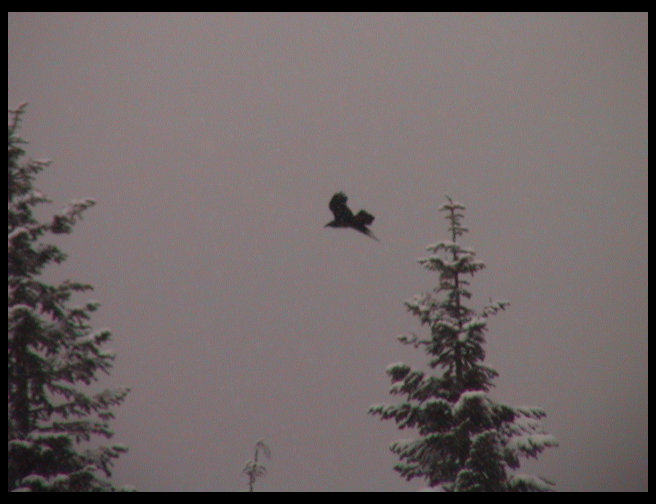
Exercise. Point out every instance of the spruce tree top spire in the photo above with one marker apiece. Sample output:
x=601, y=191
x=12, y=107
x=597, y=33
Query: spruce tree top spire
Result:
x=456, y=330
x=467, y=441
x=52, y=350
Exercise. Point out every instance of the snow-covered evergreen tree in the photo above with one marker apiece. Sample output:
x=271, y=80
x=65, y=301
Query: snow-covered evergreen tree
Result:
x=467, y=441
x=53, y=353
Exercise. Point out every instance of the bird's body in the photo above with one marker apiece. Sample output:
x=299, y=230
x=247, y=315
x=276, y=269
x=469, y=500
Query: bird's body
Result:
x=345, y=218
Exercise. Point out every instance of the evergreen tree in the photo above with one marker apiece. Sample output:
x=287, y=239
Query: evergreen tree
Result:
x=467, y=441
x=53, y=354
x=254, y=469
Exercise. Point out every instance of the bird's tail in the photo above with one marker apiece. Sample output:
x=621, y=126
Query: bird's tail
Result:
x=371, y=235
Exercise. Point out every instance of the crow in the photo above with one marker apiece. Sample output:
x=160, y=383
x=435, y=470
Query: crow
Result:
x=345, y=218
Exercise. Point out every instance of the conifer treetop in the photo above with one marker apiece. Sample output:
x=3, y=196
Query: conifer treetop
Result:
x=54, y=354
x=466, y=441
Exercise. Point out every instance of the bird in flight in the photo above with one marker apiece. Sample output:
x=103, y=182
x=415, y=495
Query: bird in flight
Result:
x=345, y=218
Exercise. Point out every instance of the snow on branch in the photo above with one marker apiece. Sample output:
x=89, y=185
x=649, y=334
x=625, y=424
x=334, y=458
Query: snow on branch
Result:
x=64, y=220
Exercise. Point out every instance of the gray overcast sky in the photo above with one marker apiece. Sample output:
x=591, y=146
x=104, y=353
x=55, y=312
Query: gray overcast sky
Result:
x=212, y=144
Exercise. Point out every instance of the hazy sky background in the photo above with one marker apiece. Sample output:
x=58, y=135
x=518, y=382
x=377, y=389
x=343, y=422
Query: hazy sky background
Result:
x=213, y=143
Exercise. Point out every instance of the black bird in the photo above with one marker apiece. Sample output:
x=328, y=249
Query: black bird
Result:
x=345, y=218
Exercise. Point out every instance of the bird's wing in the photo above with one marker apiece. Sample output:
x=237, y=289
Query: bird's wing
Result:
x=364, y=217
x=338, y=207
